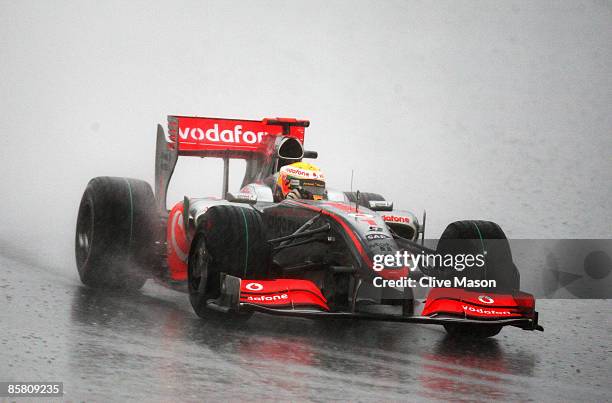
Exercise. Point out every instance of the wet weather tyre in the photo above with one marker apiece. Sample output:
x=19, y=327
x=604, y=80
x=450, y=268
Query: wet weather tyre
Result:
x=230, y=240
x=364, y=198
x=116, y=233
x=481, y=238
x=465, y=331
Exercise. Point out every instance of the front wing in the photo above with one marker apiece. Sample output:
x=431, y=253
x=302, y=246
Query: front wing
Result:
x=302, y=298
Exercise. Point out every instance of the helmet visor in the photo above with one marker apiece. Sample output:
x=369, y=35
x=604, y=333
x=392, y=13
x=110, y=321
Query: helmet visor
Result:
x=313, y=189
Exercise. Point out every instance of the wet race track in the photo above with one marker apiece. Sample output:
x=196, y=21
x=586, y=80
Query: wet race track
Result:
x=151, y=346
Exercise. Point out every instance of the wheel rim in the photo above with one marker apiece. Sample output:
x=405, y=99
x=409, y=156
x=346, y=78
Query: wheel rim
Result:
x=198, y=270
x=84, y=233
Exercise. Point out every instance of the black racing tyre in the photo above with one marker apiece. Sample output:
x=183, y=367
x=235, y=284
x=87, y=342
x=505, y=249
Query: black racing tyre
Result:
x=485, y=238
x=364, y=198
x=115, y=233
x=468, y=331
x=231, y=240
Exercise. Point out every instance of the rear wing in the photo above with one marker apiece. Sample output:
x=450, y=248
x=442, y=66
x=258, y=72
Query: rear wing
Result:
x=233, y=138
x=257, y=141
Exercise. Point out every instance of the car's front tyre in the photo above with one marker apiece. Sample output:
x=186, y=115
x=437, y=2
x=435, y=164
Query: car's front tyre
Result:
x=484, y=238
x=230, y=240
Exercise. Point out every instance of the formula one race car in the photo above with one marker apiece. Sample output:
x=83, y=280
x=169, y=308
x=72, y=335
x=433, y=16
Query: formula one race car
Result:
x=252, y=251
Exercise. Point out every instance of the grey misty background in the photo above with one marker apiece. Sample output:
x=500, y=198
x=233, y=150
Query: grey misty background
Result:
x=490, y=110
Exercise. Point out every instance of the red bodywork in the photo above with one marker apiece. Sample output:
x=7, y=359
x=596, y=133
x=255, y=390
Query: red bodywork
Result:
x=470, y=304
x=231, y=138
x=282, y=293
x=177, y=244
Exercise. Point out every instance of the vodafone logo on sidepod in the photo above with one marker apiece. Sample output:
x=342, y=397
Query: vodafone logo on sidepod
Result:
x=485, y=299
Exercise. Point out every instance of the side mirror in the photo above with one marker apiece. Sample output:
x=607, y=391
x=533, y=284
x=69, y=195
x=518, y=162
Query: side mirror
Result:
x=380, y=205
x=311, y=154
x=247, y=198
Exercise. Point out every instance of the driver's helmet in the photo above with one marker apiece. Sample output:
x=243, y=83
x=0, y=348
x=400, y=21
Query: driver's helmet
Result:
x=300, y=180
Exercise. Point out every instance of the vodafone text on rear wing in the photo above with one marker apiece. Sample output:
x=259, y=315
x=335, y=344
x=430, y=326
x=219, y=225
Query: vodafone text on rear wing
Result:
x=261, y=142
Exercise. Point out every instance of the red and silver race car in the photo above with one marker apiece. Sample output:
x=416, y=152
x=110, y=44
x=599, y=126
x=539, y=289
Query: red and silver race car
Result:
x=251, y=252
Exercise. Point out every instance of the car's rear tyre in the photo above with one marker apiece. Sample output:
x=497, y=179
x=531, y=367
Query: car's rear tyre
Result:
x=481, y=238
x=364, y=198
x=468, y=331
x=115, y=233
x=231, y=240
